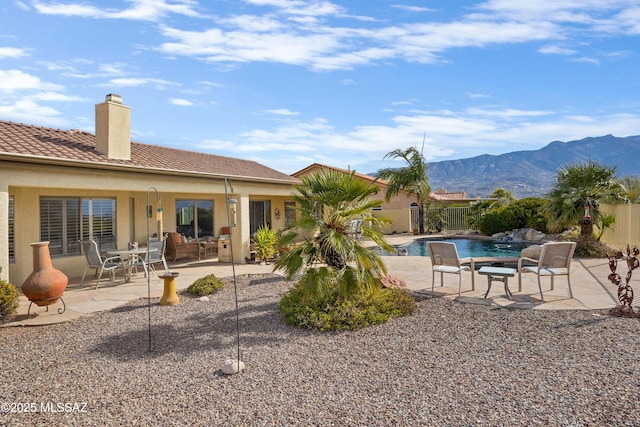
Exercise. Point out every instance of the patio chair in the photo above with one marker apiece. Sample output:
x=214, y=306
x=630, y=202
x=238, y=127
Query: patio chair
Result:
x=98, y=262
x=445, y=259
x=156, y=256
x=106, y=243
x=355, y=228
x=555, y=260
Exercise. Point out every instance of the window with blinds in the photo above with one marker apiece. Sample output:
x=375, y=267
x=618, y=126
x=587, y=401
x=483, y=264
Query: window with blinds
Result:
x=64, y=221
x=11, y=231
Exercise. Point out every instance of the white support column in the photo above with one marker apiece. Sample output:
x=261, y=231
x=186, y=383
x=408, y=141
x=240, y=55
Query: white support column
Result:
x=242, y=233
x=4, y=231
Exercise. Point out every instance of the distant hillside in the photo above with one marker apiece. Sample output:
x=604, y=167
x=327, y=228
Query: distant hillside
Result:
x=532, y=173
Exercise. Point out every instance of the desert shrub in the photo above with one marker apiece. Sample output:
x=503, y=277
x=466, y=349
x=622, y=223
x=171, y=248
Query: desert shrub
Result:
x=334, y=312
x=9, y=296
x=521, y=213
x=493, y=222
x=205, y=285
x=529, y=211
x=589, y=247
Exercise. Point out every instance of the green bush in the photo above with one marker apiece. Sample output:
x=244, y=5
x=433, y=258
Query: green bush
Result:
x=205, y=285
x=527, y=212
x=8, y=300
x=334, y=312
x=493, y=222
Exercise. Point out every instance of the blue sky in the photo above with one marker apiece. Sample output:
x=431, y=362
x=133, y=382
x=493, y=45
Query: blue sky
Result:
x=289, y=83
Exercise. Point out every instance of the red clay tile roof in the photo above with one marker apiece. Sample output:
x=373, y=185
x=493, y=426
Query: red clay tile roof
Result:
x=315, y=166
x=78, y=146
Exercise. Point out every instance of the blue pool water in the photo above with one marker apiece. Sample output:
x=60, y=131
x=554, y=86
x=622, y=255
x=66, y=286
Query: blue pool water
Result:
x=469, y=248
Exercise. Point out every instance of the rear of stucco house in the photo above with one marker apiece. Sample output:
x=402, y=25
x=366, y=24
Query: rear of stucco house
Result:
x=66, y=185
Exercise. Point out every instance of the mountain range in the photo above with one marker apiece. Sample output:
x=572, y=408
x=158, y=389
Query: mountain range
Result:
x=532, y=172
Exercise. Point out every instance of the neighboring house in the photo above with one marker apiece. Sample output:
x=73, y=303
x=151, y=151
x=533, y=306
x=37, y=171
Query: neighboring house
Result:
x=401, y=209
x=453, y=198
x=401, y=201
x=65, y=185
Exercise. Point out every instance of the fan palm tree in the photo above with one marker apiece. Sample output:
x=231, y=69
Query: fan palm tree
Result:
x=326, y=256
x=631, y=184
x=580, y=186
x=499, y=197
x=411, y=178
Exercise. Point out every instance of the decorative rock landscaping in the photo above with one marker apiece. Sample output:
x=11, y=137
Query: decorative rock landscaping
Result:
x=449, y=364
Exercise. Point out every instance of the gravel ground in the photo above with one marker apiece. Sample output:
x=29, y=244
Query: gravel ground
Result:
x=448, y=364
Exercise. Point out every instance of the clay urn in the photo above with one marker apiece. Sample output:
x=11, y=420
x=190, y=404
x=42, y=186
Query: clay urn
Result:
x=45, y=285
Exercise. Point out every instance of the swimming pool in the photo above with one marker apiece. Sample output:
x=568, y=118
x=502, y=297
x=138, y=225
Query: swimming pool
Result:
x=467, y=248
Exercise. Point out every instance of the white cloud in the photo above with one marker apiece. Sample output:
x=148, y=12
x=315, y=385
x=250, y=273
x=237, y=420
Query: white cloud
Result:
x=300, y=7
x=142, y=10
x=587, y=60
x=29, y=112
x=180, y=102
x=56, y=97
x=138, y=81
x=508, y=113
x=282, y=112
x=11, y=52
x=303, y=33
x=478, y=95
x=412, y=8
x=556, y=50
x=326, y=48
x=16, y=80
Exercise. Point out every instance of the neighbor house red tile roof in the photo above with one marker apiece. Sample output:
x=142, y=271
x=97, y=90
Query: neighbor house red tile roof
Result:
x=45, y=145
x=315, y=166
x=443, y=194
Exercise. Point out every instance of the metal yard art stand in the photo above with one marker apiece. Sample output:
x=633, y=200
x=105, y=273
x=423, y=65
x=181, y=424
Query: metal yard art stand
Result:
x=232, y=366
x=159, y=220
x=625, y=291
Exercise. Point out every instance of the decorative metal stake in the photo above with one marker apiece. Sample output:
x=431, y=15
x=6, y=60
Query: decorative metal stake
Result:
x=159, y=219
x=231, y=366
x=625, y=292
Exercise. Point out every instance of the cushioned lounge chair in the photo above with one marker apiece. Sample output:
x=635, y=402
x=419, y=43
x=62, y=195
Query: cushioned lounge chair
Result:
x=555, y=260
x=177, y=247
x=445, y=259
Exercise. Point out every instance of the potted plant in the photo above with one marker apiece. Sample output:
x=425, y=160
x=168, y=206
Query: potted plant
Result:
x=266, y=243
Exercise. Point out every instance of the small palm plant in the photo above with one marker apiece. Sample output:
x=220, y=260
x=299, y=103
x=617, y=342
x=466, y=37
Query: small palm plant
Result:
x=326, y=258
x=266, y=243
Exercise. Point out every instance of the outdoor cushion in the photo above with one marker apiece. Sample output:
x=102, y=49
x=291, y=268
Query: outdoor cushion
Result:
x=177, y=239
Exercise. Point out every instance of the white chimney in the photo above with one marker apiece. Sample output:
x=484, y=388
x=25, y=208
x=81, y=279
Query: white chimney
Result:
x=113, y=128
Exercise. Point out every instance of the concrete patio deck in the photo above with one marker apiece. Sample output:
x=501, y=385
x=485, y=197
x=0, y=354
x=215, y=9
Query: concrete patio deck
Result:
x=591, y=288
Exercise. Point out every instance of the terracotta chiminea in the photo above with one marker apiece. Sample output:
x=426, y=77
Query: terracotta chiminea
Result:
x=45, y=285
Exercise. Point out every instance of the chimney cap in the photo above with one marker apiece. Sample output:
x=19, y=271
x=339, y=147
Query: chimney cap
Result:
x=112, y=97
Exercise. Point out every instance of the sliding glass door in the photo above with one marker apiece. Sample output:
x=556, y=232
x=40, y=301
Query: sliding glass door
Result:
x=194, y=218
x=259, y=214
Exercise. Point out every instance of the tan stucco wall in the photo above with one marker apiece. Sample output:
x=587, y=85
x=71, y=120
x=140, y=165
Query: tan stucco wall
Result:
x=28, y=182
x=626, y=229
x=400, y=220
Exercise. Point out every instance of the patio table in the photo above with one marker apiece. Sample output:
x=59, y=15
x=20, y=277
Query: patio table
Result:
x=131, y=255
x=208, y=247
x=498, y=274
